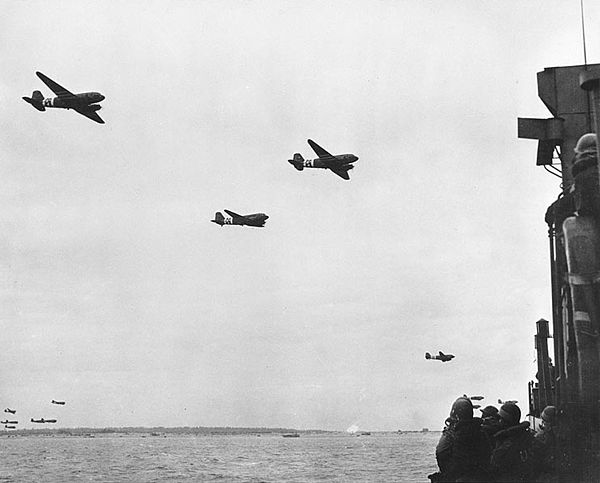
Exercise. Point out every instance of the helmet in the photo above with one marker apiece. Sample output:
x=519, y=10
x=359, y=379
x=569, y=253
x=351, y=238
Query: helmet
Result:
x=587, y=142
x=510, y=413
x=488, y=411
x=549, y=414
x=462, y=409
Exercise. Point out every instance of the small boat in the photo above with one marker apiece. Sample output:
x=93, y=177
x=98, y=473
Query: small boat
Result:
x=291, y=435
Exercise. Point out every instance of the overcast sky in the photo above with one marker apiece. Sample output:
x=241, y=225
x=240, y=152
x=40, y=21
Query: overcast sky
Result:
x=119, y=296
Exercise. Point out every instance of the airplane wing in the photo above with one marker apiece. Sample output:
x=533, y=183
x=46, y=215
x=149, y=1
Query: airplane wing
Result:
x=341, y=172
x=93, y=115
x=235, y=215
x=59, y=90
x=319, y=150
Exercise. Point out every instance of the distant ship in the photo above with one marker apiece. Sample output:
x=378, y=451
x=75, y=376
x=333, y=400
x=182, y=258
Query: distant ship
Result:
x=291, y=435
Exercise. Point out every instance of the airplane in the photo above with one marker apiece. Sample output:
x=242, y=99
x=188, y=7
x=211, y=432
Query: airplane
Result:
x=254, y=219
x=440, y=357
x=84, y=103
x=510, y=401
x=340, y=164
x=62, y=403
x=476, y=398
x=11, y=411
x=6, y=421
x=43, y=420
x=10, y=427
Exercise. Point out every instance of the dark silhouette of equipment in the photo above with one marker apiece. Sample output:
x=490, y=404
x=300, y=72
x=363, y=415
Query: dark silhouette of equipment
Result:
x=60, y=403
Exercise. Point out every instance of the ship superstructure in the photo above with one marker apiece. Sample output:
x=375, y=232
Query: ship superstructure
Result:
x=572, y=382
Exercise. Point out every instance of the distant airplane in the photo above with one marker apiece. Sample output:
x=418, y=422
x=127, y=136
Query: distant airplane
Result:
x=340, y=164
x=62, y=403
x=476, y=398
x=83, y=103
x=440, y=357
x=10, y=427
x=9, y=422
x=11, y=411
x=511, y=401
x=43, y=420
x=254, y=219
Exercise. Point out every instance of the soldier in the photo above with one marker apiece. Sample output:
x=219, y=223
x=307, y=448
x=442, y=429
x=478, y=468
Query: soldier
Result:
x=585, y=175
x=513, y=455
x=545, y=440
x=490, y=425
x=462, y=453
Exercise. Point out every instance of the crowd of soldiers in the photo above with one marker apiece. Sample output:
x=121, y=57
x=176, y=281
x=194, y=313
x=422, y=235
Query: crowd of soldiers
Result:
x=496, y=447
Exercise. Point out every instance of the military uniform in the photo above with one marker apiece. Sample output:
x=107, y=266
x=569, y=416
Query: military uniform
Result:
x=462, y=452
x=513, y=457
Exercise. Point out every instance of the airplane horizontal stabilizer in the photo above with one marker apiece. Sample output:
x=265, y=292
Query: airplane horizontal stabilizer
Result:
x=297, y=162
x=36, y=100
x=219, y=218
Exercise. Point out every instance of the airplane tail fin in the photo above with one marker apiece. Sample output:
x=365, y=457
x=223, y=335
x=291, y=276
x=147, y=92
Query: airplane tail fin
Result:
x=36, y=100
x=297, y=162
x=427, y=355
x=219, y=218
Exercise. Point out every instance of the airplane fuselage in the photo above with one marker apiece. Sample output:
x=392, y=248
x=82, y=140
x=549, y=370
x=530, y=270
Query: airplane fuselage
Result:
x=80, y=100
x=255, y=220
x=440, y=357
x=326, y=163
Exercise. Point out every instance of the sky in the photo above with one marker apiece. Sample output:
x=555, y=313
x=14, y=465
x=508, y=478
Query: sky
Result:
x=120, y=297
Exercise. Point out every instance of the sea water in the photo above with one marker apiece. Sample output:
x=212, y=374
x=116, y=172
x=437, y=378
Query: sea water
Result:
x=407, y=457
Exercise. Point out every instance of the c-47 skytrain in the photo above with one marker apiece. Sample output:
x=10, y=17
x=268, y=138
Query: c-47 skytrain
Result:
x=254, y=219
x=84, y=103
x=340, y=164
x=440, y=357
